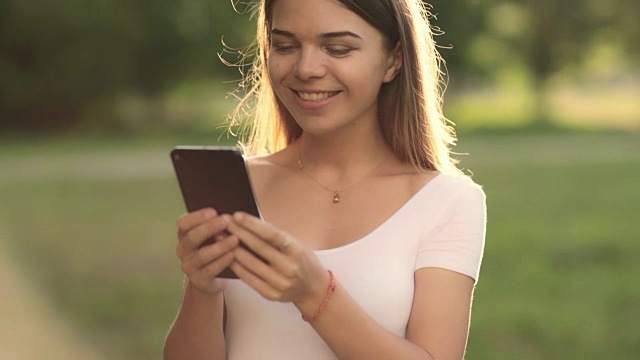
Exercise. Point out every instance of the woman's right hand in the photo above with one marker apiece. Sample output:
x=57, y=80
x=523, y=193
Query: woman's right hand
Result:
x=201, y=264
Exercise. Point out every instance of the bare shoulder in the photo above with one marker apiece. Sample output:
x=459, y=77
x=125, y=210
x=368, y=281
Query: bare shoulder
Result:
x=408, y=177
x=266, y=169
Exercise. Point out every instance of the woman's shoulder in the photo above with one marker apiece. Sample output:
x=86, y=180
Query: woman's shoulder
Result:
x=459, y=180
x=264, y=169
x=280, y=160
x=454, y=185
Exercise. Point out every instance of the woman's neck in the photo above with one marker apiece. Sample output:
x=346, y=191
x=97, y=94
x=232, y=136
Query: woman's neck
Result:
x=341, y=157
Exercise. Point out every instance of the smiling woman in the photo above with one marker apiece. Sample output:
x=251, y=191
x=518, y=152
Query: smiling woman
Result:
x=328, y=80
x=372, y=237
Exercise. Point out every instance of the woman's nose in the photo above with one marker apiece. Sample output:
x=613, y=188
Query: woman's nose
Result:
x=309, y=65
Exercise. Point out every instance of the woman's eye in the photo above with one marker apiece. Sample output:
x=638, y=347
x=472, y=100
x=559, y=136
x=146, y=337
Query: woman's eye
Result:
x=284, y=48
x=339, y=50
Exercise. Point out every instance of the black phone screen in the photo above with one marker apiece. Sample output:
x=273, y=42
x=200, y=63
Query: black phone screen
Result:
x=215, y=177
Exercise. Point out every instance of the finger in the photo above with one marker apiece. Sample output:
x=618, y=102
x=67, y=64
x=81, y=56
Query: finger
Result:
x=215, y=238
x=209, y=254
x=259, y=268
x=272, y=259
x=190, y=220
x=221, y=236
x=256, y=243
x=195, y=237
x=271, y=234
x=214, y=269
x=255, y=282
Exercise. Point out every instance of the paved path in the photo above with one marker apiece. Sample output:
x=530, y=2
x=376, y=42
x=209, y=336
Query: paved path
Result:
x=31, y=329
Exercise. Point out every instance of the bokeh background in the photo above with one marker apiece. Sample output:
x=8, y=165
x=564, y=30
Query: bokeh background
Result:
x=94, y=94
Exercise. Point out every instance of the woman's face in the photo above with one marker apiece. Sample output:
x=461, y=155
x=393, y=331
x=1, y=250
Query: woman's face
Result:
x=327, y=64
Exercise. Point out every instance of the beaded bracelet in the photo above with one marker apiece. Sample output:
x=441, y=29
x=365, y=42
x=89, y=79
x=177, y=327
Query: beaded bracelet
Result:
x=323, y=304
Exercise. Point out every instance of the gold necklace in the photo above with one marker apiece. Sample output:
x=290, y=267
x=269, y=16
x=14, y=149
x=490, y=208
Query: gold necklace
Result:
x=336, y=192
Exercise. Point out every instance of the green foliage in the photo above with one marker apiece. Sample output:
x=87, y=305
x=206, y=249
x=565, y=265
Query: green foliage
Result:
x=65, y=62
x=58, y=58
x=544, y=36
x=558, y=274
x=541, y=38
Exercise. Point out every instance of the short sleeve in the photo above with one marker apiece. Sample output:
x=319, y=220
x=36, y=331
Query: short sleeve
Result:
x=457, y=243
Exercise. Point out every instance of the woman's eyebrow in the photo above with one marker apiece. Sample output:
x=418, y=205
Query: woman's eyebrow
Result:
x=328, y=35
x=275, y=31
x=339, y=34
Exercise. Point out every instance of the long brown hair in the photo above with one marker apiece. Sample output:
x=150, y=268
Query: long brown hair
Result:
x=410, y=106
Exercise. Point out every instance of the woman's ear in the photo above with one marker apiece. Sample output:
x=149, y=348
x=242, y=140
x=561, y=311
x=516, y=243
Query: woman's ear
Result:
x=394, y=63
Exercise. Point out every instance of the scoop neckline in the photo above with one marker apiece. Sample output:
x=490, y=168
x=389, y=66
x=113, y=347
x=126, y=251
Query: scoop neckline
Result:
x=385, y=223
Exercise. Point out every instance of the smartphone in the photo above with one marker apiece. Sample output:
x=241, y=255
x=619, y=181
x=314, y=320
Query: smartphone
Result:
x=215, y=177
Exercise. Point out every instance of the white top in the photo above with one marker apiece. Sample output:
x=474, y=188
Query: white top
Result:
x=442, y=225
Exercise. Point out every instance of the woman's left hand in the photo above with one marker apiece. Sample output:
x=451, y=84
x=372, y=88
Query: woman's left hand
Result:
x=292, y=273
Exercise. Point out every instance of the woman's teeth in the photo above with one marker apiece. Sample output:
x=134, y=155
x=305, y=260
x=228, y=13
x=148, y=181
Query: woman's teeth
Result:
x=315, y=96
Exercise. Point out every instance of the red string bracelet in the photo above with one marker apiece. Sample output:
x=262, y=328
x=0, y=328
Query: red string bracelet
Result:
x=323, y=304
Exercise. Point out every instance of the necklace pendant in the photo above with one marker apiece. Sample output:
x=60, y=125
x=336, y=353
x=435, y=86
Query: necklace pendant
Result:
x=336, y=198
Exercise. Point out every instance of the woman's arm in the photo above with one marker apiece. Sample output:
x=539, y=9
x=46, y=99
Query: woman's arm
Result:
x=198, y=331
x=441, y=312
x=438, y=325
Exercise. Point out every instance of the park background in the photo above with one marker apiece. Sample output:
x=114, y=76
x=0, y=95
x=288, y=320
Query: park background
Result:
x=94, y=94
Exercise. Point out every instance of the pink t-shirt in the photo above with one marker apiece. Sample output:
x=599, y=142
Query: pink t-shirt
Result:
x=442, y=225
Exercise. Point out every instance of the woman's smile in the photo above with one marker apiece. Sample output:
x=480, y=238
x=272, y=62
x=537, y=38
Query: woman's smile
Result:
x=313, y=100
x=316, y=96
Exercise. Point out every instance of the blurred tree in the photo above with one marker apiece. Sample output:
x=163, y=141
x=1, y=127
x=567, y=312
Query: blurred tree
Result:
x=561, y=33
x=59, y=58
x=457, y=25
x=542, y=37
x=63, y=59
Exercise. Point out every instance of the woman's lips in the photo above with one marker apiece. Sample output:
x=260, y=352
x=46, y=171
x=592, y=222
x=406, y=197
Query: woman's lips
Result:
x=315, y=96
x=312, y=100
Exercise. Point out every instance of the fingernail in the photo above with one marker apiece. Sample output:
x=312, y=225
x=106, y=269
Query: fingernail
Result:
x=209, y=213
x=238, y=216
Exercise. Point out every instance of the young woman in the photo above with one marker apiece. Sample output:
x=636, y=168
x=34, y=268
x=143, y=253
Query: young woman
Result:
x=373, y=238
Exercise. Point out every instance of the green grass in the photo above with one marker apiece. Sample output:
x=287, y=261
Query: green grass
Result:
x=559, y=278
x=104, y=251
x=560, y=267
